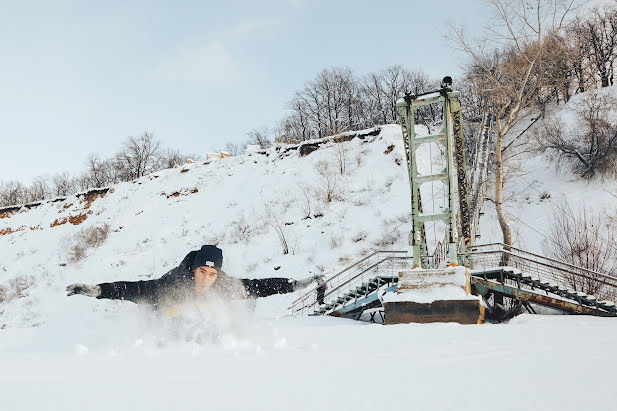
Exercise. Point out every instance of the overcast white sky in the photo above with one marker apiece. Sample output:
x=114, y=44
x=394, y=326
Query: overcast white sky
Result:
x=80, y=76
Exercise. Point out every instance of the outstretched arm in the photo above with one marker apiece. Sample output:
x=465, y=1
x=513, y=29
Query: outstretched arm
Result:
x=136, y=291
x=265, y=287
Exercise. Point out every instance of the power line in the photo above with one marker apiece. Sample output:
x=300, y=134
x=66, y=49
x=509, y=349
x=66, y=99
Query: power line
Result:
x=530, y=227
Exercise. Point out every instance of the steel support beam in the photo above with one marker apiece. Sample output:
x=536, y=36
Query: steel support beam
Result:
x=407, y=106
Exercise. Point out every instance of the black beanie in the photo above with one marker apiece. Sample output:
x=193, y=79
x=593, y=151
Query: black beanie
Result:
x=209, y=256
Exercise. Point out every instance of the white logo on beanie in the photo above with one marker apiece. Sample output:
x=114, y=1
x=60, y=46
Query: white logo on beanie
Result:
x=209, y=263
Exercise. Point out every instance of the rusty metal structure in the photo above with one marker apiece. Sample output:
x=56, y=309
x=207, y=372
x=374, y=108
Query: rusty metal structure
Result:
x=455, y=215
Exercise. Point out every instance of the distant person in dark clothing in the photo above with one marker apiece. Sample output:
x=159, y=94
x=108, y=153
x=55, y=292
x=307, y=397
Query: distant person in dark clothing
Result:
x=321, y=292
x=198, y=276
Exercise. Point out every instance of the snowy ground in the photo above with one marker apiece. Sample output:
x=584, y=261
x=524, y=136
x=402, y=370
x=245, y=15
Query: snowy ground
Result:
x=534, y=362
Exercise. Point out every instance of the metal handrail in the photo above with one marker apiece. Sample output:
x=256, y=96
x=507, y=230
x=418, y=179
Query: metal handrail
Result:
x=573, y=277
x=503, y=246
x=354, y=265
x=343, y=281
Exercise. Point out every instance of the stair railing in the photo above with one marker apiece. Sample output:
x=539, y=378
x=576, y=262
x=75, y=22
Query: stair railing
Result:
x=352, y=276
x=601, y=285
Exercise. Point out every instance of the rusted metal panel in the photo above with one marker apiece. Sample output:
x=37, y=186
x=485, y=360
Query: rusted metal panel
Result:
x=483, y=286
x=458, y=311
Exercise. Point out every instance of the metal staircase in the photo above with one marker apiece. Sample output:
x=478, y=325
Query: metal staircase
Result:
x=479, y=175
x=530, y=278
x=355, y=289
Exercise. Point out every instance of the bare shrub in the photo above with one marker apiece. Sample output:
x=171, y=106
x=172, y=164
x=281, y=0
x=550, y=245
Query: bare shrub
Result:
x=592, y=148
x=241, y=231
x=359, y=159
x=16, y=288
x=87, y=238
x=3, y=294
x=340, y=156
x=306, y=197
x=404, y=218
x=335, y=241
x=19, y=285
x=77, y=253
x=389, y=183
x=273, y=221
x=360, y=236
x=388, y=238
x=584, y=239
x=329, y=181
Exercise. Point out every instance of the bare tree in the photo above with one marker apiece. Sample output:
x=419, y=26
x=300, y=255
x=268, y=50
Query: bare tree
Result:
x=169, y=158
x=376, y=107
x=39, y=189
x=576, y=35
x=12, y=193
x=329, y=181
x=327, y=105
x=99, y=172
x=138, y=157
x=592, y=147
x=380, y=92
x=557, y=70
x=62, y=184
x=601, y=32
x=502, y=67
x=260, y=136
x=297, y=124
x=232, y=148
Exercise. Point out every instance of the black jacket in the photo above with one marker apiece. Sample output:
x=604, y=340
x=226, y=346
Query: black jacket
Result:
x=178, y=285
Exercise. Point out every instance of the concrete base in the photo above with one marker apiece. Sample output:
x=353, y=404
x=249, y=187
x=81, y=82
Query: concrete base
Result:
x=457, y=311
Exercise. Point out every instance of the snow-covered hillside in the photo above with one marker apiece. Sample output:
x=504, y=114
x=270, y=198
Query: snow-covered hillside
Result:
x=538, y=187
x=238, y=203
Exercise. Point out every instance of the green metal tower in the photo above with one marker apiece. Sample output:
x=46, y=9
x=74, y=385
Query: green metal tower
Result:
x=451, y=137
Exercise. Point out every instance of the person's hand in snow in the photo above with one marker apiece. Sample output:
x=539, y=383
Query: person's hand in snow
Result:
x=84, y=289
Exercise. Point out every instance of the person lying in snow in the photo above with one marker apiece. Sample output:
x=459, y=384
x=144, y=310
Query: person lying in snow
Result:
x=199, y=275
